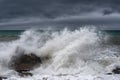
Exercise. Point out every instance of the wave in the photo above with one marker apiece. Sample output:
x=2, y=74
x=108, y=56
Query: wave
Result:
x=82, y=51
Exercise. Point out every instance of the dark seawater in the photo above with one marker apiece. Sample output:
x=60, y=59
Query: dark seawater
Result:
x=113, y=32
x=10, y=32
x=114, y=36
x=8, y=35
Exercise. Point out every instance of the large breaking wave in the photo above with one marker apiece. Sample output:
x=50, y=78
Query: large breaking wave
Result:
x=65, y=52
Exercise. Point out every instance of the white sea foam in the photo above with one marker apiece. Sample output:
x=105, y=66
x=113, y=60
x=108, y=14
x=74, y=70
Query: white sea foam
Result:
x=75, y=54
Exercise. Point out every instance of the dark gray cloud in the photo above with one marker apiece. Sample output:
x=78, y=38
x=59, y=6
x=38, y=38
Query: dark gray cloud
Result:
x=55, y=8
x=71, y=23
x=58, y=13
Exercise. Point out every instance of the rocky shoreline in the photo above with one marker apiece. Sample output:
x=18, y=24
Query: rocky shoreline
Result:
x=24, y=63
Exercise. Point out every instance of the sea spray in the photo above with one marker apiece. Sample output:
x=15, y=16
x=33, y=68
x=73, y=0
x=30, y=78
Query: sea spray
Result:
x=71, y=49
x=62, y=52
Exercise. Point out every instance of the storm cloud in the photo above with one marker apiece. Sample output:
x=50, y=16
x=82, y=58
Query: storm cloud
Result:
x=56, y=8
x=57, y=12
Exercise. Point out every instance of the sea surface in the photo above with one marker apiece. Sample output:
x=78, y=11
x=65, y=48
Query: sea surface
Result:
x=82, y=54
x=8, y=35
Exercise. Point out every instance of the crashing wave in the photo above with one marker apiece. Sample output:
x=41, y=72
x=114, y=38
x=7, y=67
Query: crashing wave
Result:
x=64, y=52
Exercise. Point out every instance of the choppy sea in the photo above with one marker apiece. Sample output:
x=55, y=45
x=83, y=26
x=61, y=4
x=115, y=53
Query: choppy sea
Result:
x=82, y=54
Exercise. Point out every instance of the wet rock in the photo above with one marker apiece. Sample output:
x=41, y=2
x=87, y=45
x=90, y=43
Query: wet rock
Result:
x=1, y=78
x=25, y=73
x=116, y=70
x=24, y=63
x=44, y=78
x=109, y=73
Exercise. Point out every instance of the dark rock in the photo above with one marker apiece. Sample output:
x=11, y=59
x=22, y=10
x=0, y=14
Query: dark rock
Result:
x=25, y=73
x=116, y=70
x=109, y=73
x=24, y=63
x=44, y=78
x=1, y=78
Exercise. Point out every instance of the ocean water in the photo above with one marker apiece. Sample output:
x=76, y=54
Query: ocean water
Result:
x=82, y=54
x=8, y=35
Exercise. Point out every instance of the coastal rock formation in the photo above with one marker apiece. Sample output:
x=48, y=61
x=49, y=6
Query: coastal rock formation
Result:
x=1, y=78
x=116, y=70
x=24, y=63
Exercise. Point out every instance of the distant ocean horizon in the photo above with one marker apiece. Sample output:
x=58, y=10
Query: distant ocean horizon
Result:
x=10, y=32
x=10, y=35
x=18, y=32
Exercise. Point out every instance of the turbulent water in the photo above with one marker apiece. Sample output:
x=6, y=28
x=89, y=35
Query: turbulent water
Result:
x=82, y=54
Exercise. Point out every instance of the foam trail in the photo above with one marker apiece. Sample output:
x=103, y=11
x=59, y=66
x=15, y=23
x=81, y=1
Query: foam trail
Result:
x=62, y=52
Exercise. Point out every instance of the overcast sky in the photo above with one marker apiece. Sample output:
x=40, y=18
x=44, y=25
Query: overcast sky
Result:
x=23, y=14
